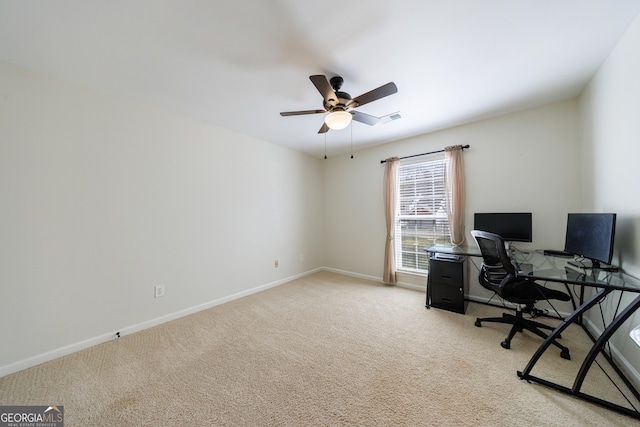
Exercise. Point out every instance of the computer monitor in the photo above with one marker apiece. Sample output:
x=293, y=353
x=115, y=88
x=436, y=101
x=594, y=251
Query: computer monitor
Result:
x=591, y=236
x=511, y=226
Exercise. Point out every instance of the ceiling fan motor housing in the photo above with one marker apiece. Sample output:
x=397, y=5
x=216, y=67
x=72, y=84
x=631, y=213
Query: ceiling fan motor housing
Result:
x=332, y=104
x=336, y=82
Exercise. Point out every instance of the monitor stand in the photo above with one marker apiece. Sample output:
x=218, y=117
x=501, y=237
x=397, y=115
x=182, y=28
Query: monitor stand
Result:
x=587, y=264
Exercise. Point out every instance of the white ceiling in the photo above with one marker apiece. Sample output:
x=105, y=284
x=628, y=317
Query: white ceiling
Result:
x=238, y=63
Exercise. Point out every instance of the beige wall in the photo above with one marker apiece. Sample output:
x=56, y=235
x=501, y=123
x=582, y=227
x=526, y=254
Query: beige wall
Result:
x=103, y=199
x=610, y=137
x=527, y=161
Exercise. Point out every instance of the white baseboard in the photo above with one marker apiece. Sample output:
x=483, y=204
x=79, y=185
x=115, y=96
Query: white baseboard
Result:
x=72, y=348
x=53, y=354
x=352, y=274
x=375, y=279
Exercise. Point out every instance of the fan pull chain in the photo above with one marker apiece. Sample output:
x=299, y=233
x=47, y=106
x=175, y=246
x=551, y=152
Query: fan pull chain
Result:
x=352, y=139
x=325, y=146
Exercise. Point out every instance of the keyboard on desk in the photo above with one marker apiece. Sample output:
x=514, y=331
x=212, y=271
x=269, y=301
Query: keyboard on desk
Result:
x=553, y=252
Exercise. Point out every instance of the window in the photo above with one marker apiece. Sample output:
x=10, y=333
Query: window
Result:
x=421, y=212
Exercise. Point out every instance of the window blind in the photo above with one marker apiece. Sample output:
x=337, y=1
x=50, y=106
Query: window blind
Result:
x=421, y=212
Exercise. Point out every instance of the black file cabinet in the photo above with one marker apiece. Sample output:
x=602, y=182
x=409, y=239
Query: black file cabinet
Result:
x=447, y=282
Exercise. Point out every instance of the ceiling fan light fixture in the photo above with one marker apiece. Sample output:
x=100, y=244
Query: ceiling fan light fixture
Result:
x=337, y=120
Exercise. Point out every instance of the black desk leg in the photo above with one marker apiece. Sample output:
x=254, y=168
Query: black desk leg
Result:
x=601, y=341
x=558, y=331
x=591, y=356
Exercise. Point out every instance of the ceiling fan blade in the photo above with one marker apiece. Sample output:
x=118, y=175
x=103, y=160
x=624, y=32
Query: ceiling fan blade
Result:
x=322, y=84
x=324, y=128
x=375, y=94
x=364, y=118
x=299, y=113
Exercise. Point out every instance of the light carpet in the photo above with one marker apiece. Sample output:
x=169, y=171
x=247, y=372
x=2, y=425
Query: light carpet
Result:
x=324, y=350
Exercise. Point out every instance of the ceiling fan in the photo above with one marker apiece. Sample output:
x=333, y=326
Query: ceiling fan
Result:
x=339, y=104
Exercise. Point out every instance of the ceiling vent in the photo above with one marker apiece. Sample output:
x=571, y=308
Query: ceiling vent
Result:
x=391, y=117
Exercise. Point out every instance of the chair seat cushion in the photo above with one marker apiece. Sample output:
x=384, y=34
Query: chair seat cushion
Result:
x=528, y=291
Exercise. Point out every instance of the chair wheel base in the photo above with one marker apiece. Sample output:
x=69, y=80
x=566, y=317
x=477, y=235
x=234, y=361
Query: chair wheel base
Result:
x=478, y=324
x=506, y=344
x=565, y=354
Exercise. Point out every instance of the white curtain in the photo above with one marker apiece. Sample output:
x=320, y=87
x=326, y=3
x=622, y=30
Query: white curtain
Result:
x=389, y=190
x=455, y=181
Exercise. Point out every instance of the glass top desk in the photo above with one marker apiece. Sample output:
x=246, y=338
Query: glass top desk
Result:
x=589, y=289
x=534, y=264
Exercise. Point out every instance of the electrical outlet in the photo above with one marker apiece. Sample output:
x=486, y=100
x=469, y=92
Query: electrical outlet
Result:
x=275, y=264
x=159, y=291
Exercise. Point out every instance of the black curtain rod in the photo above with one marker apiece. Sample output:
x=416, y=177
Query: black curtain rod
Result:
x=424, y=154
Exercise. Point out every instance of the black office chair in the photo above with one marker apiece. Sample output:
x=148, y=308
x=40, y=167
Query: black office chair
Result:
x=499, y=275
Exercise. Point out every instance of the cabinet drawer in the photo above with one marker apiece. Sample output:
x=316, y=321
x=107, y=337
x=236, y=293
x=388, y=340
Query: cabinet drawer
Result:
x=446, y=272
x=448, y=297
